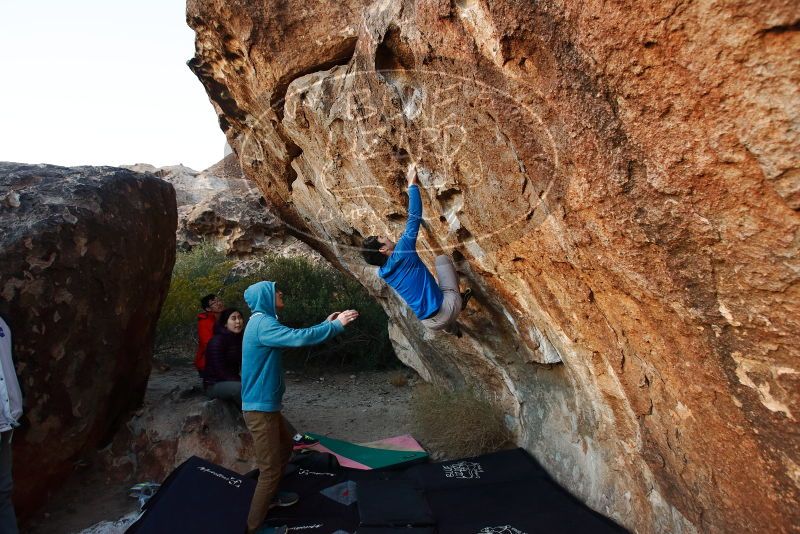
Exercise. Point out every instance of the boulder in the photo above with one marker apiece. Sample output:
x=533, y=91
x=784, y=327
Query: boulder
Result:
x=190, y=185
x=221, y=206
x=618, y=183
x=177, y=421
x=86, y=255
x=241, y=224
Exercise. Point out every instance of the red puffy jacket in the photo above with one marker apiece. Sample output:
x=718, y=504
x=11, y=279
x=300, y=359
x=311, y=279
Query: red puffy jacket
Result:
x=205, y=331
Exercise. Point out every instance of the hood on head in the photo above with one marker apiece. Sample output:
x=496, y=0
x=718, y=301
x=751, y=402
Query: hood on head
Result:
x=260, y=297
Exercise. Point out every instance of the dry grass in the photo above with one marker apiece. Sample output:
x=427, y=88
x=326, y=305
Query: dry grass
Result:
x=398, y=379
x=457, y=424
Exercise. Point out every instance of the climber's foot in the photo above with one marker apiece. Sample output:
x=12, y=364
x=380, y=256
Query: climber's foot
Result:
x=465, y=296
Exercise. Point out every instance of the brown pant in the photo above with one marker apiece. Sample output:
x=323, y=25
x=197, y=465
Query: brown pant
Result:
x=273, y=445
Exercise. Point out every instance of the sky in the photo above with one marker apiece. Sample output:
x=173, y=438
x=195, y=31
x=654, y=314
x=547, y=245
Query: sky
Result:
x=102, y=82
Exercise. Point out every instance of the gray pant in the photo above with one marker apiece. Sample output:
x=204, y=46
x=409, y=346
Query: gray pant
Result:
x=8, y=520
x=226, y=391
x=451, y=303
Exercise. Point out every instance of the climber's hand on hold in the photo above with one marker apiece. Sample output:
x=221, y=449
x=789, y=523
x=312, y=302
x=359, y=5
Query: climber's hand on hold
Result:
x=346, y=317
x=333, y=316
x=411, y=175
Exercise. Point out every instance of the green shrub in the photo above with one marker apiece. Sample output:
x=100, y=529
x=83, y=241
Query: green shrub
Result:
x=197, y=273
x=456, y=424
x=311, y=293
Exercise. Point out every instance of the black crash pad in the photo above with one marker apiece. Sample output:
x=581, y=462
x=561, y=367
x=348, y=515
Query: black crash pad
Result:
x=198, y=497
x=500, y=493
x=503, y=466
x=532, y=505
x=392, y=503
x=396, y=530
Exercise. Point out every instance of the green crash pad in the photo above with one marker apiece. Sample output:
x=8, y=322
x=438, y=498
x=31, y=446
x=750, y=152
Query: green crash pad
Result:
x=391, y=452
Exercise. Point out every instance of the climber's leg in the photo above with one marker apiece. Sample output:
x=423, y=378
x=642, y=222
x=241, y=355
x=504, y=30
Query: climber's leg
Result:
x=451, y=303
x=446, y=273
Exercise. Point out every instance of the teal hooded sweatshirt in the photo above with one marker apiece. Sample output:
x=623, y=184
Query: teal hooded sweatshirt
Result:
x=264, y=337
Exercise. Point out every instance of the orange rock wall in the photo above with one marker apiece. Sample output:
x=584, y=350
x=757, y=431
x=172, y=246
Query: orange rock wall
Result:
x=619, y=182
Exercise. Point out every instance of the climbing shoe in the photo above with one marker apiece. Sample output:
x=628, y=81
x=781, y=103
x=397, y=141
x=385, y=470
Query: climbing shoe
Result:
x=283, y=499
x=301, y=441
x=465, y=296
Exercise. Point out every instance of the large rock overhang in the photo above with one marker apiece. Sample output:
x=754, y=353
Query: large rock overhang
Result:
x=619, y=187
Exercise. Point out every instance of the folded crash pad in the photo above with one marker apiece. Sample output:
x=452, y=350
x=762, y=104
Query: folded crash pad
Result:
x=389, y=453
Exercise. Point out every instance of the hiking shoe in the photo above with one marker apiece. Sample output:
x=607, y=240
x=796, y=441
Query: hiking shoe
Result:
x=284, y=498
x=465, y=296
x=303, y=441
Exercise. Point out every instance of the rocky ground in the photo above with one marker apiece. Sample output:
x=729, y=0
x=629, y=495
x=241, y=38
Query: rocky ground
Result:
x=360, y=407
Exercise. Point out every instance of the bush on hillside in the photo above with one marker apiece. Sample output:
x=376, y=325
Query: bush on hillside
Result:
x=197, y=273
x=311, y=292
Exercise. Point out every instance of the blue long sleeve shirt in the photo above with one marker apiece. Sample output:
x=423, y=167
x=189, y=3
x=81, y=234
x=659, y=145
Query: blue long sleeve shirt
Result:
x=404, y=270
x=263, y=382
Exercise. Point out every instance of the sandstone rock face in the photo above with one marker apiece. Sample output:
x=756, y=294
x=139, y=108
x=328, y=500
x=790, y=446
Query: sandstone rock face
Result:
x=191, y=186
x=86, y=255
x=221, y=206
x=619, y=184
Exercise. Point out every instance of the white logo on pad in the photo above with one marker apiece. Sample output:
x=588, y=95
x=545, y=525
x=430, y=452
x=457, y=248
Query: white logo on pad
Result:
x=463, y=470
x=505, y=529
x=235, y=482
x=306, y=472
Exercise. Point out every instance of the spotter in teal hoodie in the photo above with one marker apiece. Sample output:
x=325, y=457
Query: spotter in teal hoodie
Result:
x=264, y=337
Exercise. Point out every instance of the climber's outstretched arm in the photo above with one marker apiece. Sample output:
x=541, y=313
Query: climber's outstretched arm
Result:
x=408, y=241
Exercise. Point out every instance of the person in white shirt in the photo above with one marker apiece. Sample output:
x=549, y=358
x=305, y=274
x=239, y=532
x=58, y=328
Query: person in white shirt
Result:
x=10, y=412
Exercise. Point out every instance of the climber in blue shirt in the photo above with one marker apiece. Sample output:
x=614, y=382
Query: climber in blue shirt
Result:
x=437, y=305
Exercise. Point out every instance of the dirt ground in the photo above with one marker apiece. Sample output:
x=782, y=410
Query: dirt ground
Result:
x=357, y=407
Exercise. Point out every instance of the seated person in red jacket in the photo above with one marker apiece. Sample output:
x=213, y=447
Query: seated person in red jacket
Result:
x=212, y=307
x=222, y=375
